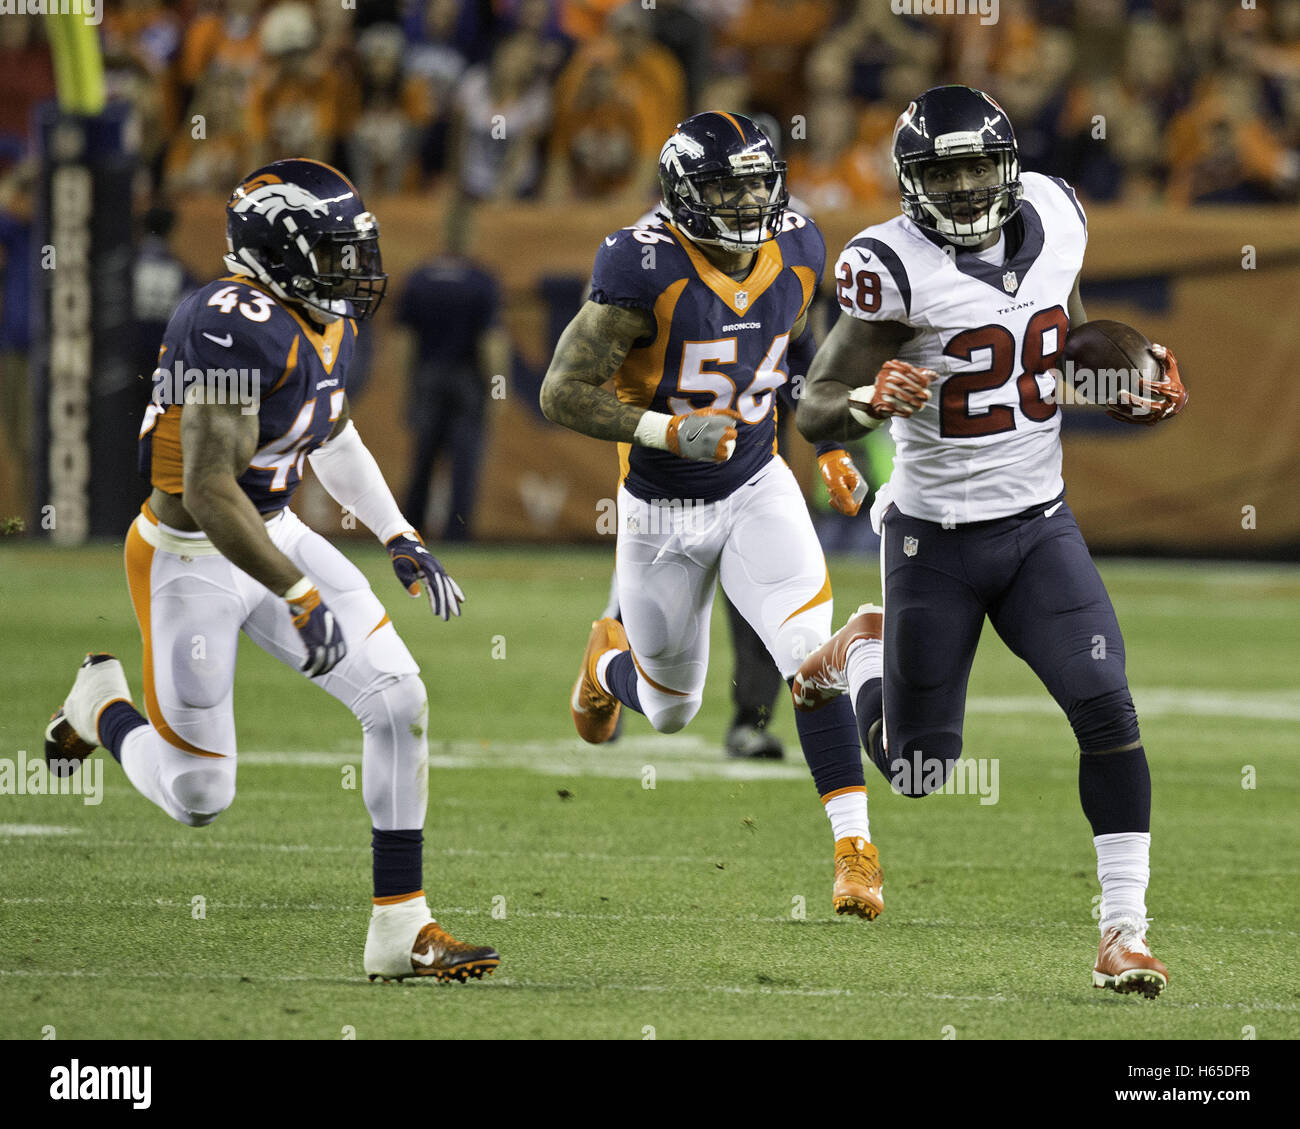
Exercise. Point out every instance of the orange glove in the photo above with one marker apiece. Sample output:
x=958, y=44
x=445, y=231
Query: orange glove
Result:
x=1156, y=400
x=900, y=389
x=846, y=486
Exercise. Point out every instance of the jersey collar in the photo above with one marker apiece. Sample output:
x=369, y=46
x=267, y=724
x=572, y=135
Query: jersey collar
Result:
x=1006, y=277
x=737, y=296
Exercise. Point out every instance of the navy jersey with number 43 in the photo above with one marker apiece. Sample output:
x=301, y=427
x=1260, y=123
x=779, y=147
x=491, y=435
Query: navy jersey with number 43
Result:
x=718, y=343
x=244, y=343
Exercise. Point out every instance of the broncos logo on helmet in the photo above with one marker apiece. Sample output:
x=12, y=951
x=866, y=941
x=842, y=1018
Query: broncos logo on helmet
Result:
x=299, y=227
x=722, y=183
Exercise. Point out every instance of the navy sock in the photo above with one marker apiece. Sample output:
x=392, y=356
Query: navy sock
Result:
x=830, y=746
x=1115, y=790
x=869, y=708
x=115, y=723
x=621, y=676
x=398, y=862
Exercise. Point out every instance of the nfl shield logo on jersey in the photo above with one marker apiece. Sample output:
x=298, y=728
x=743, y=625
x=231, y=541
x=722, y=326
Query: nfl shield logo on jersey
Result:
x=742, y=299
x=909, y=546
x=1010, y=282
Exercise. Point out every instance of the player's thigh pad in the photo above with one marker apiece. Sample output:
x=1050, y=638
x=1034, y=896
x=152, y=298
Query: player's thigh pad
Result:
x=189, y=601
x=773, y=569
x=667, y=572
x=933, y=619
x=1058, y=617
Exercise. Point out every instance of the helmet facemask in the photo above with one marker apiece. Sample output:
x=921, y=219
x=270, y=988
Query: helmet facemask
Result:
x=737, y=212
x=349, y=271
x=968, y=216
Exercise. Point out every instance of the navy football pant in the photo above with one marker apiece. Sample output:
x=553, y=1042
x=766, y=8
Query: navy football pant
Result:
x=1032, y=576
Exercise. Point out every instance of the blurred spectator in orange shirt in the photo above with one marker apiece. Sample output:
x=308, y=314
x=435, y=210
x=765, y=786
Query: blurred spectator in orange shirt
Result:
x=223, y=35
x=775, y=36
x=394, y=108
x=599, y=144
x=502, y=111
x=585, y=19
x=831, y=170
x=293, y=109
x=647, y=78
x=1222, y=151
x=209, y=151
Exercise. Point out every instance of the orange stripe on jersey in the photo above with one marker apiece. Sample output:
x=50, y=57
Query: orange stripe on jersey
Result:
x=724, y=114
x=380, y=624
x=397, y=899
x=290, y=363
x=643, y=369
x=325, y=340
x=166, y=465
x=662, y=689
x=139, y=568
x=768, y=264
x=845, y=791
x=808, y=280
x=821, y=598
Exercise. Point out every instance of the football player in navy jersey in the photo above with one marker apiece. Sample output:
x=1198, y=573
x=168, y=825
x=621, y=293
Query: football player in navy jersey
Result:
x=698, y=321
x=251, y=384
x=960, y=308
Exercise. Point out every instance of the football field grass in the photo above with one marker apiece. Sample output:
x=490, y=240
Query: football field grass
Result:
x=652, y=888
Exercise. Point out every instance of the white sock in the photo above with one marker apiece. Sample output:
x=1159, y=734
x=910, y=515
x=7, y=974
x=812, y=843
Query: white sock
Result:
x=602, y=665
x=866, y=660
x=1124, y=869
x=848, y=816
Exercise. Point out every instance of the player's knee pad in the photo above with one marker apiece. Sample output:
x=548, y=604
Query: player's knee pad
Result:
x=921, y=765
x=397, y=704
x=203, y=792
x=1108, y=721
x=670, y=715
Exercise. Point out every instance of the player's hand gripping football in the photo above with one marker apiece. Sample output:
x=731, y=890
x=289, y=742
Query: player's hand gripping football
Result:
x=1154, y=400
x=414, y=563
x=707, y=434
x=845, y=484
x=318, y=629
x=900, y=389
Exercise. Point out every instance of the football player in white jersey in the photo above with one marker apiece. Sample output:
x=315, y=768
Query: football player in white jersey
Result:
x=960, y=307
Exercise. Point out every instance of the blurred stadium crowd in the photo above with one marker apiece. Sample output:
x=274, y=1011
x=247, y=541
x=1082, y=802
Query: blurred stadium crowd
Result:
x=1198, y=101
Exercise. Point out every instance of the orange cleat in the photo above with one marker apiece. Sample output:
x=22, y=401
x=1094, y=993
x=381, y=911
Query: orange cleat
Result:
x=1125, y=964
x=595, y=710
x=859, y=883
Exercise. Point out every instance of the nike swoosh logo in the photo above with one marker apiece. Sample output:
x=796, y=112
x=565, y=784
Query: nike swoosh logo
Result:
x=1049, y=513
x=425, y=959
x=696, y=433
x=225, y=342
x=610, y=242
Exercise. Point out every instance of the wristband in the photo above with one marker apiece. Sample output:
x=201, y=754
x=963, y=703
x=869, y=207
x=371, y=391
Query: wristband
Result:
x=299, y=590
x=652, y=430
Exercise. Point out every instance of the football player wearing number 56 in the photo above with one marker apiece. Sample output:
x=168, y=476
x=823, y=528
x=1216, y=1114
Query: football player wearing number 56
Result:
x=216, y=551
x=957, y=311
x=698, y=320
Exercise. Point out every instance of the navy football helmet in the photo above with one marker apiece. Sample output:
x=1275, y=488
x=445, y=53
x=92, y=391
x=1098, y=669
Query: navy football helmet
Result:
x=722, y=183
x=957, y=121
x=299, y=228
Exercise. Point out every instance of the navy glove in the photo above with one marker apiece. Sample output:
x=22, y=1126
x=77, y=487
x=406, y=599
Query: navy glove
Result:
x=320, y=633
x=413, y=563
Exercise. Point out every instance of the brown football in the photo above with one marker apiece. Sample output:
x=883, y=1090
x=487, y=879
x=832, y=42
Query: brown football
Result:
x=1111, y=352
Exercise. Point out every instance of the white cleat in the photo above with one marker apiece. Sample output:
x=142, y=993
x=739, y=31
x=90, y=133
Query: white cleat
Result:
x=73, y=732
x=404, y=940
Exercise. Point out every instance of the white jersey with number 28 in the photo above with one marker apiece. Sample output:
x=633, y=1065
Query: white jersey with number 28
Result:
x=987, y=444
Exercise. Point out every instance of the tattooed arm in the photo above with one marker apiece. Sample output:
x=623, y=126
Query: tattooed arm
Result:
x=589, y=352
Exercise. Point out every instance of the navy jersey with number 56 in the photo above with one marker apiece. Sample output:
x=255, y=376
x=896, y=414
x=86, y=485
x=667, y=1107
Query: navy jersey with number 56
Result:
x=718, y=343
x=243, y=344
